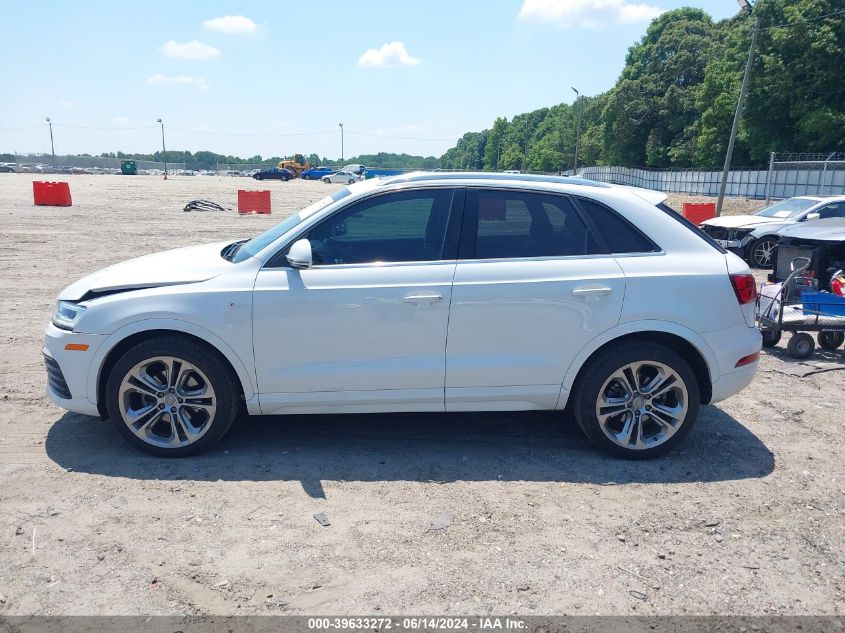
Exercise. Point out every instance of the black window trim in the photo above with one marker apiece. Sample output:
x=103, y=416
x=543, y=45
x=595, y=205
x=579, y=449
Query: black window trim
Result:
x=451, y=240
x=469, y=234
x=593, y=228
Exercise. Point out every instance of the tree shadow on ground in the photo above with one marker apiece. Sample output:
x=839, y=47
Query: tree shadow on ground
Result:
x=426, y=447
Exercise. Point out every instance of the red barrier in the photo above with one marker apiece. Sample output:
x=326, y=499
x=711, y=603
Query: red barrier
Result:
x=698, y=212
x=253, y=201
x=51, y=194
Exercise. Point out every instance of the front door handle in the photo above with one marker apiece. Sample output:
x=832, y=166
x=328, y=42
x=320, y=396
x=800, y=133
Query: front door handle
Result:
x=423, y=297
x=592, y=291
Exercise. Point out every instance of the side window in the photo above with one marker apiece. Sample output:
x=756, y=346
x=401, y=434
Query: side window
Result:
x=834, y=210
x=517, y=224
x=395, y=227
x=619, y=235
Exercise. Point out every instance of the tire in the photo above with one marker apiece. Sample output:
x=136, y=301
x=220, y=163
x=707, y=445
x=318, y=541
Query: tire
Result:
x=830, y=340
x=286, y=178
x=762, y=252
x=209, y=383
x=597, y=380
x=327, y=181
x=259, y=177
x=351, y=181
x=771, y=337
x=306, y=177
x=801, y=346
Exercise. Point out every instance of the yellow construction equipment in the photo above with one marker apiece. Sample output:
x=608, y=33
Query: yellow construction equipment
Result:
x=296, y=164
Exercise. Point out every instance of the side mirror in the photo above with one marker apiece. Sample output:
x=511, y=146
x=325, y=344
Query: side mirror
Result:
x=814, y=216
x=299, y=255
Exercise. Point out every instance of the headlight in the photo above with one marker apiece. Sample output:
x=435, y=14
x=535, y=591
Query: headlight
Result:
x=67, y=314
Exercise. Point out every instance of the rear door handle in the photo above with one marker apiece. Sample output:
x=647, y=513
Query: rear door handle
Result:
x=592, y=291
x=423, y=297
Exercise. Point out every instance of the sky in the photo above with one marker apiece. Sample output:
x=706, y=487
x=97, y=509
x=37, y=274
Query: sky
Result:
x=274, y=78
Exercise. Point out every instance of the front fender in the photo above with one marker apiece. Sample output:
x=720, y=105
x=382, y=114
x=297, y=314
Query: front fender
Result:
x=176, y=325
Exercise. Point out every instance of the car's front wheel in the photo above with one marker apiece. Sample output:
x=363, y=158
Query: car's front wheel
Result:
x=171, y=396
x=636, y=400
x=761, y=253
x=326, y=180
x=306, y=176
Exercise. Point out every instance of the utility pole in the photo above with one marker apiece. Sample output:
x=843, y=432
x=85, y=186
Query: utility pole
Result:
x=163, y=148
x=52, y=147
x=746, y=7
x=577, y=130
x=341, y=144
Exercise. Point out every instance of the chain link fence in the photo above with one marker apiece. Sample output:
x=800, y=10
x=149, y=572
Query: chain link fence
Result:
x=805, y=174
x=788, y=175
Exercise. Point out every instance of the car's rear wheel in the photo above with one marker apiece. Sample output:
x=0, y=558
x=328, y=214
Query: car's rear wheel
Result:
x=636, y=400
x=306, y=177
x=258, y=177
x=326, y=180
x=171, y=396
x=761, y=253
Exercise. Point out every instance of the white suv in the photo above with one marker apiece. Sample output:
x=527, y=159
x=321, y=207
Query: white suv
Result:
x=424, y=292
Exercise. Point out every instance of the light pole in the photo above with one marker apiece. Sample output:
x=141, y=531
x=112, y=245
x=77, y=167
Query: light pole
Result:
x=577, y=130
x=745, y=5
x=163, y=148
x=52, y=147
x=341, y=144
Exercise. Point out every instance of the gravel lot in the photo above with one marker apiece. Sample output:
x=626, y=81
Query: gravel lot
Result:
x=746, y=518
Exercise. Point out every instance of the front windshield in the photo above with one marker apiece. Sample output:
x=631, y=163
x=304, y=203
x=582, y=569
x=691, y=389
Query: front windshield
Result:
x=253, y=246
x=786, y=208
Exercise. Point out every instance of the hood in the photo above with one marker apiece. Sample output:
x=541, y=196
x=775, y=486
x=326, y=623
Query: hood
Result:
x=741, y=221
x=178, y=266
x=829, y=230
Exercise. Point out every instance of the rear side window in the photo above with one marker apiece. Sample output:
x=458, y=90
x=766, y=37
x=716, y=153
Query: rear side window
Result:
x=692, y=227
x=616, y=233
x=513, y=224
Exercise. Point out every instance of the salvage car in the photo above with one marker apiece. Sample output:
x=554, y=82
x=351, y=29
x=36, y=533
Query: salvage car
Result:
x=344, y=177
x=277, y=173
x=316, y=173
x=821, y=241
x=754, y=237
x=423, y=292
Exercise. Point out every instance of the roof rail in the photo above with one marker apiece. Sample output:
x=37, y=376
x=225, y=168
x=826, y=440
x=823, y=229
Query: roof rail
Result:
x=418, y=176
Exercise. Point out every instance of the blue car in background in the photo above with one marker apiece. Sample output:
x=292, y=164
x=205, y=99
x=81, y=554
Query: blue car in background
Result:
x=316, y=173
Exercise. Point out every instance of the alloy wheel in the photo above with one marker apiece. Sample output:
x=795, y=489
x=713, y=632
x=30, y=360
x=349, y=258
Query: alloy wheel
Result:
x=642, y=405
x=763, y=253
x=167, y=402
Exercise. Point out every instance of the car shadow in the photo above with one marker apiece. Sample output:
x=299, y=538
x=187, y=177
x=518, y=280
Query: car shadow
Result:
x=426, y=447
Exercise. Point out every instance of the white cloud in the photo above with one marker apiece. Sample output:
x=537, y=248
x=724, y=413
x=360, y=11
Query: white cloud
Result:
x=198, y=82
x=189, y=50
x=232, y=24
x=587, y=13
x=121, y=120
x=388, y=56
x=67, y=104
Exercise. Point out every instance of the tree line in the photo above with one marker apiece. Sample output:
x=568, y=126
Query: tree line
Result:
x=674, y=101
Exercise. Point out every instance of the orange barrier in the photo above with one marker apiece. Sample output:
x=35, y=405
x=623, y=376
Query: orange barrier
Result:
x=253, y=201
x=51, y=194
x=697, y=212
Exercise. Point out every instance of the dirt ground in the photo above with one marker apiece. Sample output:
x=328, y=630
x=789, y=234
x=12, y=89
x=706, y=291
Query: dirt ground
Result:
x=745, y=518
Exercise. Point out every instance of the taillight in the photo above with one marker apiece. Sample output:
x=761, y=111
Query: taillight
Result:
x=745, y=287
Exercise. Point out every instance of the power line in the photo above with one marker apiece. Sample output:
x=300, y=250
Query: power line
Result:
x=802, y=21
x=404, y=138
x=210, y=133
x=93, y=127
